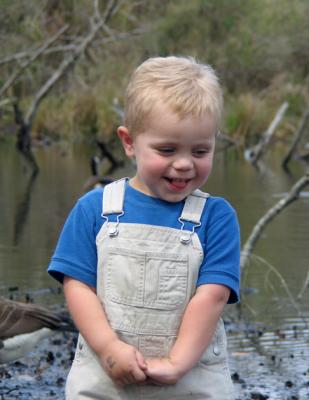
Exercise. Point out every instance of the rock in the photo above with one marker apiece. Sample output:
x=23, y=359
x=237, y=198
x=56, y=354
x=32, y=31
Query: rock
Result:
x=258, y=396
x=236, y=378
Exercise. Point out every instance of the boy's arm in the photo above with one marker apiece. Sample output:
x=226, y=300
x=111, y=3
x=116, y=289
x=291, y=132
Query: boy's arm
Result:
x=122, y=362
x=196, y=331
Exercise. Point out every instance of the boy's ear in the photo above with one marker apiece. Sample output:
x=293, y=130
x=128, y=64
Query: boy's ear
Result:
x=126, y=140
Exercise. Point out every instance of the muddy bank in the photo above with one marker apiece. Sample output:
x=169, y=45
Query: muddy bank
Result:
x=281, y=373
x=41, y=374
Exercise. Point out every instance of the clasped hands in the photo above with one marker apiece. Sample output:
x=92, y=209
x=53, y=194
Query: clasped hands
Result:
x=126, y=365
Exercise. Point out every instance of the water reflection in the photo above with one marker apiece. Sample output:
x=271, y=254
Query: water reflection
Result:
x=33, y=210
x=22, y=208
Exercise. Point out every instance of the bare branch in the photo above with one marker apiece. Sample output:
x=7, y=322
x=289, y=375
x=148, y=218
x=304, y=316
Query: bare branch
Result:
x=68, y=62
x=97, y=17
x=121, y=36
x=72, y=46
x=29, y=53
x=227, y=139
x=16, y=57
x=254, y=154
x=110, y=10
x=96, y=11
x=35, y=55
x=297, y=138
x=291, y=196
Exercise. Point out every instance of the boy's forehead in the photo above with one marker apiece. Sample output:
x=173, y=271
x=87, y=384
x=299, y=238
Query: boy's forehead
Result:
x=162, y=117
x=171, y=128
x=165, y=116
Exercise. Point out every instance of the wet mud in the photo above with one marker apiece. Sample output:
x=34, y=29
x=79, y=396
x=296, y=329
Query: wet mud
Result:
x=264, y=365
x=41, y=374
x=270, y=364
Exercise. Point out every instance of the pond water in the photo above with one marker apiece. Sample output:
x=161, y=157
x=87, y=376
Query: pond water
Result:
x=32, y=212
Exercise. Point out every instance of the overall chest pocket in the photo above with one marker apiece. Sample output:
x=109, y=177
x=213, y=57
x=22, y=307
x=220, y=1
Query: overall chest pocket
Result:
x=146, y=279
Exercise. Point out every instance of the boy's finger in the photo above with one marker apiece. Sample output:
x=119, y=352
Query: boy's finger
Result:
x=141, y=361
x=138, y=375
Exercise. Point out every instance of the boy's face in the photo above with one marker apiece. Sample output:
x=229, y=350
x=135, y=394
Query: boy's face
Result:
x=173, y=156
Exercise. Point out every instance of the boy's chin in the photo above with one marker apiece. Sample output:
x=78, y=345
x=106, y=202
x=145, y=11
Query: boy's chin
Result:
x=174, y=197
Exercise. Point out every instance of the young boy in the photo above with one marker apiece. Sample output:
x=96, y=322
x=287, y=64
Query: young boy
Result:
x=148, y=263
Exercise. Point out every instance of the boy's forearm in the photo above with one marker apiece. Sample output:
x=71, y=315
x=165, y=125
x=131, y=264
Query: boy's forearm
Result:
x=88, y=314
x=198, y=326
x=122, y=362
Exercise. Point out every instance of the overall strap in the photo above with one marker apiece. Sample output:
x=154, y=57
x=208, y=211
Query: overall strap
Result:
x=113, y=197
x=194, y=205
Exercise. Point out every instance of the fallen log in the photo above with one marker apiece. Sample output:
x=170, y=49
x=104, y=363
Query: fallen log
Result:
x=254, y=153
x=297, y=138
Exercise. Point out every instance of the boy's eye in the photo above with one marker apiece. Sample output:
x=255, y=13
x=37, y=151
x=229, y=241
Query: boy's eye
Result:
x=200, y=152
x=166, y=150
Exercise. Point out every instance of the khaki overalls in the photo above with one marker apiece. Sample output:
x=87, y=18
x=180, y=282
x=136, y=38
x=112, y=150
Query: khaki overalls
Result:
x=146, y=277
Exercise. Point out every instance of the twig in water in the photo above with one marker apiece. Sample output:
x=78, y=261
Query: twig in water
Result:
x=304, y=287
x=291, y=196
x=261, y=260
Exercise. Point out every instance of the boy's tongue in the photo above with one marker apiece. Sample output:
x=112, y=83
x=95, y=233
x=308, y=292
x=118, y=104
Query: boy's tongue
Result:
x=177, y=184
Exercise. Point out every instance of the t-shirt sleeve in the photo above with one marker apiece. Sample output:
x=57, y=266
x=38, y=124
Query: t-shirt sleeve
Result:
x=221, y=263
x=75, y=254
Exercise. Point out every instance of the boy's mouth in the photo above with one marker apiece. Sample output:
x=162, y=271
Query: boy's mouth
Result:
x=177, y=183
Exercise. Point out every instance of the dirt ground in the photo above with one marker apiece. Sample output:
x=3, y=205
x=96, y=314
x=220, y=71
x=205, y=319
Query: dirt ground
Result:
x=41, y=375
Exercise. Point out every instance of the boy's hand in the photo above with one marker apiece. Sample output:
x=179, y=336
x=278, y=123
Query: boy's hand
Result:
x=162, y=371
x=123, y=363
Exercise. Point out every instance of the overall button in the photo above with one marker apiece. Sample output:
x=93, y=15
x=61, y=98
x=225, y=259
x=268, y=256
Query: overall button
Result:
x=216, y=350
x=113, y=231
x=185, y=239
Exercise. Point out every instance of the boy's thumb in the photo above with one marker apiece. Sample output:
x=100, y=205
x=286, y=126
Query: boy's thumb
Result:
x=141, y=361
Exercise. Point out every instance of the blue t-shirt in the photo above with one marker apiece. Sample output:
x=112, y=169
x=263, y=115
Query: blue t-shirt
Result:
x=76, y=253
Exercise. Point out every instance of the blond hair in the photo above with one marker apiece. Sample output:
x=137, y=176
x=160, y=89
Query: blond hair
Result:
x=182, y=84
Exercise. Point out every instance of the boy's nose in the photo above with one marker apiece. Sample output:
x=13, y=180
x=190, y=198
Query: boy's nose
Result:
x=183, y=163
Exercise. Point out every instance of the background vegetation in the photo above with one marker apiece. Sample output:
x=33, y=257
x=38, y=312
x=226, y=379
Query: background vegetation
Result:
x=260, y=49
